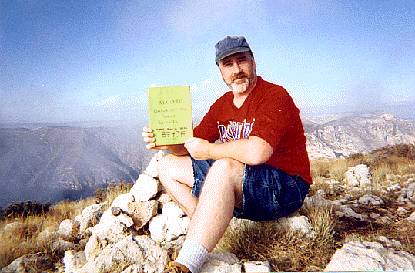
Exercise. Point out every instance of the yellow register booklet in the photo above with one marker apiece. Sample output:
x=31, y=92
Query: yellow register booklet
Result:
x=170, y=111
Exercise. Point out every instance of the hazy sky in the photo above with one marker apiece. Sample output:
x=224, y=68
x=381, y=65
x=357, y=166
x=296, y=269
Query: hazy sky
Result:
x=86, y=60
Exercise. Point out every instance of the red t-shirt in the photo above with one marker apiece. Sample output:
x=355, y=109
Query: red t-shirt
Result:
x=268, y=112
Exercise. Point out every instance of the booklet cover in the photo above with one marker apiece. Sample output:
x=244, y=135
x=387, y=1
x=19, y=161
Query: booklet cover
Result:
x=170, y=111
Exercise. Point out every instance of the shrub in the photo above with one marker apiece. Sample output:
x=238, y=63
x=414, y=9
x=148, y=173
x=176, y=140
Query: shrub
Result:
x=25, y=209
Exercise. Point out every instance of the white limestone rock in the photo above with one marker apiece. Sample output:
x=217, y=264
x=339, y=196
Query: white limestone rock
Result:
x=137, y=254
x=116, y=257
x=151, y=169
x=370, y=199
x=74, y=261
x=142, y=211
x=68, y=228
x=297, y=223
x=172, y=210
x=62, y=245
x=93, y=248
x=121, y=201
x=113, y=228
x=176, y=227
x=411, y=217
x=256, y=266
x=39, y=261
x=370, y=256
x=164, y=228
x=157, y=228
x=145, y=188
x=221, y=262
x=89, y=217
x=358, y=176
x=346, y=211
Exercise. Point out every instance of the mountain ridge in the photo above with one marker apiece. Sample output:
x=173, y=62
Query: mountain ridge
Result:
x=57, y=162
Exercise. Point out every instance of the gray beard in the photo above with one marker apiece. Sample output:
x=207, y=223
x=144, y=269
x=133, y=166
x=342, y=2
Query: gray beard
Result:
x=240, y=87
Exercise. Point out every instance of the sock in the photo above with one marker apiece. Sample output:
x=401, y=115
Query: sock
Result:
x=193, y=255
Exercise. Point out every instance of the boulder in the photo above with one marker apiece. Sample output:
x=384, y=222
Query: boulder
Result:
x=256, y=266
x=172, y=210
x=142, y=211
x=358, y=176
x=297, y=223
x=113, y=229
x=166, y=229
x=370, y=256
x=221, y=262
x=68, y=228
x=151, y=169
x=170, y=224
x=145, y=188
x=138, y=254
x=348, y=212
x=74, y=261
x=62, y=245
x=89, y=216
x=411, y=217
x=39, y=262
x=370, y=199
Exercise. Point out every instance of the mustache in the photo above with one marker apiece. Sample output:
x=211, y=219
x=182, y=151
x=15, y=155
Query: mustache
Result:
x=241, y=75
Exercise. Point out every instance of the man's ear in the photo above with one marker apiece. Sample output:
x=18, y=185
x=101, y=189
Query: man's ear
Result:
x=253, y=64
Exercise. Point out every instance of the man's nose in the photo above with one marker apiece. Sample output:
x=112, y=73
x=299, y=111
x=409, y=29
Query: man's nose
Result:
x=236, y=68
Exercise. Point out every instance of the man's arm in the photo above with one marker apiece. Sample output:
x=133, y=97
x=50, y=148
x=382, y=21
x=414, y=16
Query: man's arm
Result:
x=252, y=151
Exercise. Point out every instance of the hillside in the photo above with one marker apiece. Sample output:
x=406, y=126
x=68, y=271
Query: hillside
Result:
x=54, y=163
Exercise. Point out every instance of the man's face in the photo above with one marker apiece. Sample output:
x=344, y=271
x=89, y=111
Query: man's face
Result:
x=238, y=71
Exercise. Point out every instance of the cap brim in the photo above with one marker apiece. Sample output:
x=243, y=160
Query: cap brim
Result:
x=231, y=52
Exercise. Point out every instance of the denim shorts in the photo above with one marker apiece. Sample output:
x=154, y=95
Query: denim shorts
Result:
x=268, y=192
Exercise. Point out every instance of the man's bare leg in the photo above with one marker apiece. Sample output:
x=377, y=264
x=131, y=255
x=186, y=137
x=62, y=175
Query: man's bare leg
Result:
x=211, y=214
x=176, y=175
x=221, y=193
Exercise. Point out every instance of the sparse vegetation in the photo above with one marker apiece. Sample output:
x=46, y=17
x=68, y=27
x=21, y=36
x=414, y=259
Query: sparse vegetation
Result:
x=293, y=252
x=26, y=231
x=262, y=241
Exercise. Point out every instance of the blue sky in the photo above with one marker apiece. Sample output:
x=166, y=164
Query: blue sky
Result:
x=91, y=60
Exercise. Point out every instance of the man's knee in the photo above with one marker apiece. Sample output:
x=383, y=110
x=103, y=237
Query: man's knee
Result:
x=229, y=168
x=175, y=168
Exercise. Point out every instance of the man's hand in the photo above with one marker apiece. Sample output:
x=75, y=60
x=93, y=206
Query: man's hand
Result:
x=198, y=148
x=148, y=137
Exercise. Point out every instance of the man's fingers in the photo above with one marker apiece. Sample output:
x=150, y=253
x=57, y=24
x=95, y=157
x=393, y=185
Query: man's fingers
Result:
x=150, y=146
x=147, y=129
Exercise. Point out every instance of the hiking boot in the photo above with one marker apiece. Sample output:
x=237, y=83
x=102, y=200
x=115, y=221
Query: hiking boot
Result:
x=174, y=267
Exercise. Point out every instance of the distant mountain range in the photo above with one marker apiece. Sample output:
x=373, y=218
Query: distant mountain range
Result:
x=53, y=163
x=356, y=133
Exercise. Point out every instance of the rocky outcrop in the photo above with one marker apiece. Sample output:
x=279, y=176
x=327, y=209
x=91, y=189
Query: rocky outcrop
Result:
x=142, y=230
x=370, y=256
x=116, y=242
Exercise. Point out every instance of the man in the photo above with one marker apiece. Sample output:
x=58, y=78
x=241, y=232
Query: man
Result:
x=260, y=169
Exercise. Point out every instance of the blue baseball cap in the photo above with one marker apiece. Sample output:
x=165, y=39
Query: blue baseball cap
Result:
x=231, y=45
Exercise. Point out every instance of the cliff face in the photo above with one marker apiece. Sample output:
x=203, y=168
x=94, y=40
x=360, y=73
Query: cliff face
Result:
x=356, y=134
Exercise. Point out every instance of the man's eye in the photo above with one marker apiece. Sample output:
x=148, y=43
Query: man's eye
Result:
x=227, y=64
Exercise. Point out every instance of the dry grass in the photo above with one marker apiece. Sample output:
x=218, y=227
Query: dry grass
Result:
x=286, y=251
x=26, y=236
